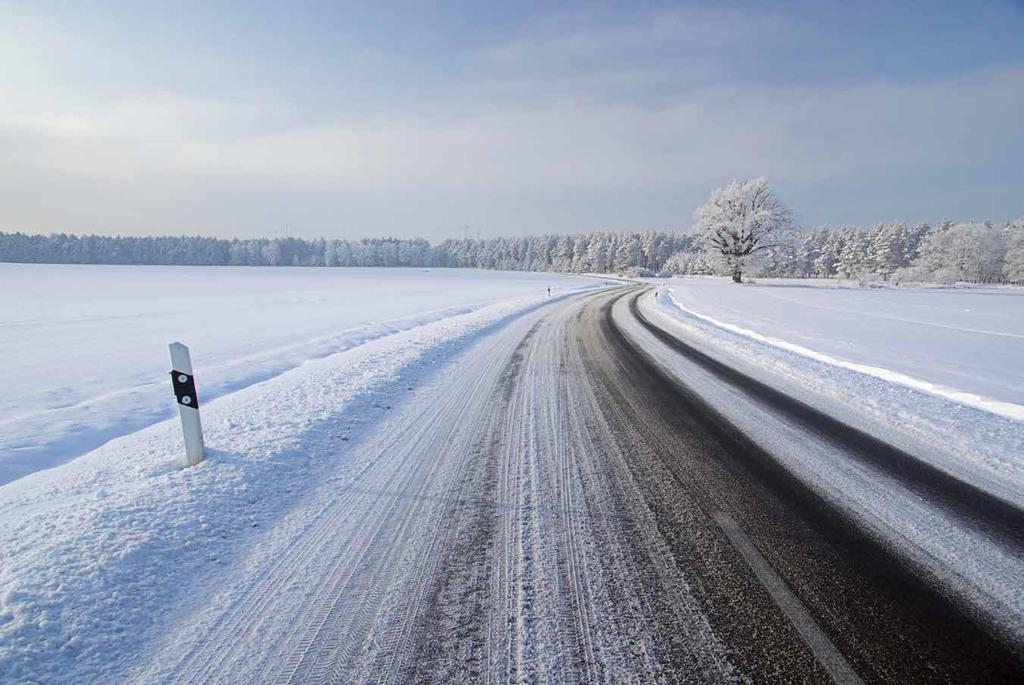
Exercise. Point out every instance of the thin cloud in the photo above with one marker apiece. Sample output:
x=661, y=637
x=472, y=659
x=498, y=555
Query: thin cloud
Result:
x=617, y=131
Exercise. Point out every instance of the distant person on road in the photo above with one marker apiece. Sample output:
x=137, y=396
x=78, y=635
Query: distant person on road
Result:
x=549, y=291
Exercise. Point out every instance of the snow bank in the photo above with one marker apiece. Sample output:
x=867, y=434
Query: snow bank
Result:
x=934, y=372
x=968, y=340
x=85, y=347
x=1007, y=409
x=98, y=550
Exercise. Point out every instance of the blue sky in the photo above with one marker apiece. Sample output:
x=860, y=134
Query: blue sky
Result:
x=415, y=119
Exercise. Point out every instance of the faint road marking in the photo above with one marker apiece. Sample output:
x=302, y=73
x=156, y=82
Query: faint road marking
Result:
x=822, y=648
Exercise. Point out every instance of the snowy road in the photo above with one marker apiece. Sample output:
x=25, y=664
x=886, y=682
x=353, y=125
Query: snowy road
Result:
x=570, y=500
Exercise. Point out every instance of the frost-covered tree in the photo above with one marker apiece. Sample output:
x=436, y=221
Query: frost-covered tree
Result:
x=778, y=262
x=579, y=255
x=828, y=255
x=972, y=252
x=1013, y=264
x=597, y=253
x=648, y=249
x=737, y=220
x=331, y=253
x=563, y=254
x=688, y=262
x=784, y=258
x=886, y=248
x=627, y=252
x=947, y=253
x=807, y=253
x=912, y=239
x=853, y=258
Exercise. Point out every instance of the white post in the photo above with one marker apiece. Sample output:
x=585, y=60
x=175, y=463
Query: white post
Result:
x=188, y=402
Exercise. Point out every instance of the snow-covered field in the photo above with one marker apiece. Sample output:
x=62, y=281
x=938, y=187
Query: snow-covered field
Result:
x=85, y=347
x=97, y=552
x=938, y=371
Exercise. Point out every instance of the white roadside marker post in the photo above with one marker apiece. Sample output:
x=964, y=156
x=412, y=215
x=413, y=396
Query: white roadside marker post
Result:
x=188, y=402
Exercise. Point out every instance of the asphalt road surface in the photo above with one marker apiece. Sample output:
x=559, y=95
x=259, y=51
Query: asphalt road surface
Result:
x=559, y=505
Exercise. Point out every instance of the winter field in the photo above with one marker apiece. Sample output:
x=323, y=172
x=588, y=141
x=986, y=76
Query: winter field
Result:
x=85, y=347
x=96, y=550
x=339, y=426
x=937, y=370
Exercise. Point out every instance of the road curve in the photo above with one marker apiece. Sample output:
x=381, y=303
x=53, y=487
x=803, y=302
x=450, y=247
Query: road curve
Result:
x=557, y=507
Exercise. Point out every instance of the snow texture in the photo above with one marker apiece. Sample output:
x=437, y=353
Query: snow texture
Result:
x=85, y=347
x=975, y=570
x=938, y=372
x=100, y=553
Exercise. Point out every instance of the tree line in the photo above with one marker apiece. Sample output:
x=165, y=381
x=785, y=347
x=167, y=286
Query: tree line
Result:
x=896, y=252
x=744, y=227
x=599, y=252
x=632, y=253
x=62, y=248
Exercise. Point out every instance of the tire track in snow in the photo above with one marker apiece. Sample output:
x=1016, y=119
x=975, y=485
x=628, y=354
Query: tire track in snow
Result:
x=546, y=513
x=571, y=597
x=341, y=557
x=891, y=621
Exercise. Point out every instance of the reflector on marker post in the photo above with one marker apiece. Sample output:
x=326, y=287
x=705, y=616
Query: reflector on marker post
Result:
x=188, y=402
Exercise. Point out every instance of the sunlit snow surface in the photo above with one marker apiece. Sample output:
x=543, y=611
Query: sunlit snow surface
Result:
x=84, y=348
x=98, y=552
x=937, y=371
x=968, y=339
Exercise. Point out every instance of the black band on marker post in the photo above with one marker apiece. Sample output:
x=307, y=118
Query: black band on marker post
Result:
x=185, y=389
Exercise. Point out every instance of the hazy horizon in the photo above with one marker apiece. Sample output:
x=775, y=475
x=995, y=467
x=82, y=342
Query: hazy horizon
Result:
x=411, y=122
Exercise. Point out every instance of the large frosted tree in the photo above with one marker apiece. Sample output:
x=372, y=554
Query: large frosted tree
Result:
x=737, y=220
